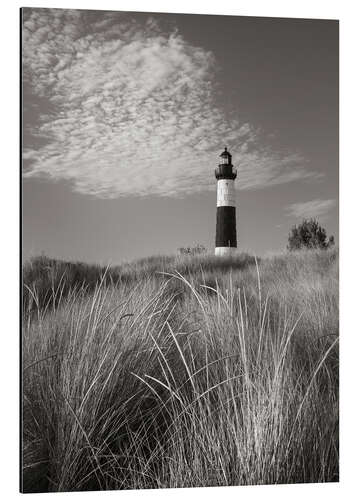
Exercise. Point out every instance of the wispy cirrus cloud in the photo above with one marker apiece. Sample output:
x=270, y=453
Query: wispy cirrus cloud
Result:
x=129, y=109
x=313, y=208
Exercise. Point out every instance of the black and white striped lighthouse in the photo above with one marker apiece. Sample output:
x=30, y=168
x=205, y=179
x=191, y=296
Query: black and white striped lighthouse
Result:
x=226, y=234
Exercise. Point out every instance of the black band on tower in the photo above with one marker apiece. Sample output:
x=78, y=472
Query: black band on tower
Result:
x=226, y=234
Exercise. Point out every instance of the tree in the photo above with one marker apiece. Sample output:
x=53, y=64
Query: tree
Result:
x=309, y=234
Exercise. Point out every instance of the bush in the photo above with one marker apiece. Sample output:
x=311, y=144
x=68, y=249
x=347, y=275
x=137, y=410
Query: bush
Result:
x=309, y=234
x=196, y=250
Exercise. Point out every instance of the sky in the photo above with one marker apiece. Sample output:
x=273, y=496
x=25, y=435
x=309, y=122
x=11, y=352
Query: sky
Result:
x=125, y=115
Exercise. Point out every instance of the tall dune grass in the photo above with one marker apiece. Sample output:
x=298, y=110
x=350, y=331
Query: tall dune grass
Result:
x=193, y=372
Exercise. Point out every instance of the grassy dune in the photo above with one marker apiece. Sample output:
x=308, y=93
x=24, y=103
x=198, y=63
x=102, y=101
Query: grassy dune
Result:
x=179, y=371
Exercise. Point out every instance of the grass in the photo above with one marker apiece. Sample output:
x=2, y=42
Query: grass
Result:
x=180, y=371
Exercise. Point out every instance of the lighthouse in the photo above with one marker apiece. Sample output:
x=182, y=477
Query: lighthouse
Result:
x=226, y=234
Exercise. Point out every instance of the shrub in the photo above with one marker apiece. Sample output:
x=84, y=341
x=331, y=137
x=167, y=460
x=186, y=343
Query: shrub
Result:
x=196, y=250
x=309, y=234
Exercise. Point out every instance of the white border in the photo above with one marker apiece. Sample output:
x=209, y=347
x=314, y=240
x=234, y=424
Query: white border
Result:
x=344, y=10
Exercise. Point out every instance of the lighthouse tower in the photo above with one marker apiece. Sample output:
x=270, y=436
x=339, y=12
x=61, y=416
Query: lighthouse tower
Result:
x=226, y=234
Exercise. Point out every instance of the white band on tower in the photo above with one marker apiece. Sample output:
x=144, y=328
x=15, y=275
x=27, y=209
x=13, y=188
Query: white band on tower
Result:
x=226, y=193
x=225, y=251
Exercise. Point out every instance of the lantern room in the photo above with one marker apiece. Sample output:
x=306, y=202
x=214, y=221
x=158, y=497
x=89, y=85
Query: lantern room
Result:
x=225, y=169
x=226, y=157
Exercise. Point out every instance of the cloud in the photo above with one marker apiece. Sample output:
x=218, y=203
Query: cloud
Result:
x=313, y=208
x=129, y=109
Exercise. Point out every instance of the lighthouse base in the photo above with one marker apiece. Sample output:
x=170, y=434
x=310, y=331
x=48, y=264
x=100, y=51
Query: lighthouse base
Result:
x=225, y=251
